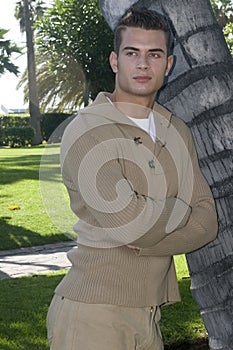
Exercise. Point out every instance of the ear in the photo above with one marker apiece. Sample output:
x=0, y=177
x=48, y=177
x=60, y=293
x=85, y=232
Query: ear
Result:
x=113, y=62
x=170, y=61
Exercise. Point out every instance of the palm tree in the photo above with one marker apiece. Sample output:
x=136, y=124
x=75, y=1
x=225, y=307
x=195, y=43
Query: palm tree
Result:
x=25, y=13
x=200, y=91
x=60, y=79
x=7, y=48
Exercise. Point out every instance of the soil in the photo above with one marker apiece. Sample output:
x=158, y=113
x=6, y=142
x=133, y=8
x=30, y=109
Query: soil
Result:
x=199, y=345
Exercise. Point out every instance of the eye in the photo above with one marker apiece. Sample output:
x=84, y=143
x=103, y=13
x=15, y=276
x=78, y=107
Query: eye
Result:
x=155, y=55
x=131, y=53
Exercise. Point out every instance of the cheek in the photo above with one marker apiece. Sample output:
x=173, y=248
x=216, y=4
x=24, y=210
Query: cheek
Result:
x=123, y=71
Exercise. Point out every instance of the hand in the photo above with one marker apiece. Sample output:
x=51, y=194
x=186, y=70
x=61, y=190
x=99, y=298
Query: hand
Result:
x=133, y=247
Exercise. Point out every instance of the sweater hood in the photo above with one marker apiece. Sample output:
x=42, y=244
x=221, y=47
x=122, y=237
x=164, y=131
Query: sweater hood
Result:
x=102, y=112
x=103, y=108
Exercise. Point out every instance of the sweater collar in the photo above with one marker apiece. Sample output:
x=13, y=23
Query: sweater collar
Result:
x=107, y=110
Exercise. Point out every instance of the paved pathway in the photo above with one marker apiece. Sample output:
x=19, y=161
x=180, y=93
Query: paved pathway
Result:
x=34, y=260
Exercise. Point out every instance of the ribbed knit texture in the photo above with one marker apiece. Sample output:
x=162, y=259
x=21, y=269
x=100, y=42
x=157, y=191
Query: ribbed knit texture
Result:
x=116, y=276
x=123, y=191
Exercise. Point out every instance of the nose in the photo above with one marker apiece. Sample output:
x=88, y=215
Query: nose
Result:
x=142, y=62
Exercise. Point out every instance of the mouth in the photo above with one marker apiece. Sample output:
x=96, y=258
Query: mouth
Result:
x=142, y=79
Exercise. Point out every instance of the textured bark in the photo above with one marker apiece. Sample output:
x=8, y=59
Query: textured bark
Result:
x=200, y=91
x=34, y=110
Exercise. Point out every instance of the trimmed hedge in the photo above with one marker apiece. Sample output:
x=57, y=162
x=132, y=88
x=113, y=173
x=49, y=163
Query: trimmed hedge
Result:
x=11, y=120
x=17, y=136
x=50, y=122
x=14, y=128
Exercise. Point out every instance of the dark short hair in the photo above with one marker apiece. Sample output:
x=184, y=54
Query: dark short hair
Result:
x=141, y=17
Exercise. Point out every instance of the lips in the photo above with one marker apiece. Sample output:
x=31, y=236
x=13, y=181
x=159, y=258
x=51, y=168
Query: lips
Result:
x=142, y=79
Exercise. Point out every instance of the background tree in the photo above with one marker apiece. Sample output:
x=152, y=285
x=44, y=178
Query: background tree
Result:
x=7, y=48
x=26, y=10
x=76, y=31
x=200, y=91
x=224, y=13
x=61, y=82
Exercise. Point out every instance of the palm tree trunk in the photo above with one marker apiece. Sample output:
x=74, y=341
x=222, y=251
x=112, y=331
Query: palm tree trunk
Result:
x=200, y=91
x=35, y=115
x=204, y=100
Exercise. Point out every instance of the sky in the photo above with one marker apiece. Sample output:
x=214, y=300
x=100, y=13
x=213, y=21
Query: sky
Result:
x=10, y=97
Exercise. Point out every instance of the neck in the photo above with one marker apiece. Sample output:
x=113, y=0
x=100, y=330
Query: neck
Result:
x=136, y=106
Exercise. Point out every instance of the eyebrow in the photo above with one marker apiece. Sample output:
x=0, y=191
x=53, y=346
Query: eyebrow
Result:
x=157, y=49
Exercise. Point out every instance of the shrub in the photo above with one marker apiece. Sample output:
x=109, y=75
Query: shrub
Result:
x=17, y=136
x=50, y=122
x=11, y=125
x=12, y=120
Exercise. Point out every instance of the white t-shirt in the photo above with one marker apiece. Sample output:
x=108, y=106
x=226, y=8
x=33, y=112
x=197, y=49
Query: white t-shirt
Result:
x=147, y=124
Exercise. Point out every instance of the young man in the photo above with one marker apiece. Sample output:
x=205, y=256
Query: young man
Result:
x=132, y=174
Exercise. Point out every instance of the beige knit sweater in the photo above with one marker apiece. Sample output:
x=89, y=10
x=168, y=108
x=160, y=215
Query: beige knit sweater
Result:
x=126, y=189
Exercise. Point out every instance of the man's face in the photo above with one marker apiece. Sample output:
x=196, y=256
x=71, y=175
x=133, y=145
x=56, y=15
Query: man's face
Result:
x=142, y=63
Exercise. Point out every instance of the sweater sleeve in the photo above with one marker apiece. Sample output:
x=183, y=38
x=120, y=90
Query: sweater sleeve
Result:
x=201, y=228
x=92, y=172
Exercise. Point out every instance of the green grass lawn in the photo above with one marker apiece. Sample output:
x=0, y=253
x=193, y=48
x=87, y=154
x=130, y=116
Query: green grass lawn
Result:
x=20, y=186
x=182, y=321
x=24, y=303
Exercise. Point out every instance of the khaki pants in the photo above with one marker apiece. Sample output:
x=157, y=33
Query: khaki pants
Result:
x=78, y=326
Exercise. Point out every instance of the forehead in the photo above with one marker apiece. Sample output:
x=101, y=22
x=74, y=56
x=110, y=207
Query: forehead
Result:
x=141, y=38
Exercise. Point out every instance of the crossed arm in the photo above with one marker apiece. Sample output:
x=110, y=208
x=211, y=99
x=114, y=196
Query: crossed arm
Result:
x=136, y=212
x=201, y=227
